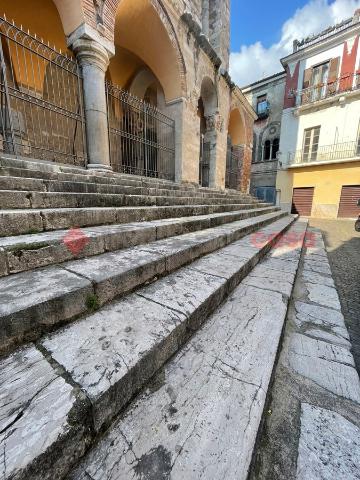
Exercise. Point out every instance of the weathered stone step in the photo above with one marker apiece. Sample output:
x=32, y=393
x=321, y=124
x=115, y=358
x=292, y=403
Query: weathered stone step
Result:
x=36, y=301
x=46, y=171
x=38, y=185
x=15, y=199
x=106, y=358
x=200, y=416
x=26, y=252
x=18, y=222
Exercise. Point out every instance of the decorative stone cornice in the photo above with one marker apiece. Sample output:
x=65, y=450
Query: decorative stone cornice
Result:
x=215, y=122
x=90, y=52
x=200, y=38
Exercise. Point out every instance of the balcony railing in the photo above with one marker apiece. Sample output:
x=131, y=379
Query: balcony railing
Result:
x=347, y=83
x=325, y=153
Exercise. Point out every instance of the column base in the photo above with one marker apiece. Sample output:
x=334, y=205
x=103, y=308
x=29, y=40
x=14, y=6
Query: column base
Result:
x=99, y=167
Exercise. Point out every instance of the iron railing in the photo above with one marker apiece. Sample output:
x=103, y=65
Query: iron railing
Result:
x=41, y=107
x=233, y=169
x=337, y=151
x=204, y=162
x=346, y=83
x=142, y=139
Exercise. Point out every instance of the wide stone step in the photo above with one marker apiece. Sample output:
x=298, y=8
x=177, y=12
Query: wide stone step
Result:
x=104, y=359
x=28, y=221
x=36, y=301
x=200, y=415
x=46, y=171
x=27, y=252
x=10, y=183
x=15, y=199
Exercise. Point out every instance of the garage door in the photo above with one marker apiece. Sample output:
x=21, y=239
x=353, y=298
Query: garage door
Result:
x=302, y=201
x=348, y=208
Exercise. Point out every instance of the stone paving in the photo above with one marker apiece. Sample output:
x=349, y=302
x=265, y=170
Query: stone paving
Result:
x=312, y=423
x=343, y=247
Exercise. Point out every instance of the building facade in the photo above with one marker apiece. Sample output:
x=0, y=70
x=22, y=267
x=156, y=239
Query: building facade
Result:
x=142, y=88
x=319, y=159
x=266, y=97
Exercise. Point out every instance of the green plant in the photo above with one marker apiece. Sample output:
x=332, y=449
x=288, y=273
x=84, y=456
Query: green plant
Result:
x=92, y=302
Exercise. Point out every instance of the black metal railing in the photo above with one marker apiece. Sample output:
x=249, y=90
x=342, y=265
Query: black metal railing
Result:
x=41, y=100
x=234, y=167
x=142, y=139
x=325, y=153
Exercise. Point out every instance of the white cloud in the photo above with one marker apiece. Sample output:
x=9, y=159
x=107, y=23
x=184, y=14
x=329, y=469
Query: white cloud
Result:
x=254, y=62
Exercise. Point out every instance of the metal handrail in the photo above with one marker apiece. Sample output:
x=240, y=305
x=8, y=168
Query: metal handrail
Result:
x=337, y=151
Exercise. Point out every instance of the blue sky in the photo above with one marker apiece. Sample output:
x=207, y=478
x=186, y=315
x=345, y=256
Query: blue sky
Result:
x=263, y=31
x=259, y=20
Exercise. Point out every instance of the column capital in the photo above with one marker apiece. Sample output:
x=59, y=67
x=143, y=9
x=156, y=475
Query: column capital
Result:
x=90, y=52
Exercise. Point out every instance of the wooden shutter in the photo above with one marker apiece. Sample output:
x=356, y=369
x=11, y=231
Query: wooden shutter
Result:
x=348, y=208
x=302, y=201
x=333, y=75
x=305, y=97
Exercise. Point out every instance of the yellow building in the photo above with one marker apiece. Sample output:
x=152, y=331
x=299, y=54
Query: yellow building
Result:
x=319, y=159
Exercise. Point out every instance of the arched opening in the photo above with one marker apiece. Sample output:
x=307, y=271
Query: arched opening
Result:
x=207, y=110
x=267, y=150
x=275, y=148
x=145, y=76
x=42, y=110
x=235, y=151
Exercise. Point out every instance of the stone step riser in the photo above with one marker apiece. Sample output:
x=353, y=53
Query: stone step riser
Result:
x=34, y=314
x=27, y=253
x=19, y=222
x=85, y=176
x=39, y=185
x=23, y=200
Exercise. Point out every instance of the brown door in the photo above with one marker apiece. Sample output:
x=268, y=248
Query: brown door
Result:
x=302, y=201
x=350, y=194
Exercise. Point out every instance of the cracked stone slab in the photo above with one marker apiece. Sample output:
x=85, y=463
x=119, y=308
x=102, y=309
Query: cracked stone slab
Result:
x=332, y=338
x=308, y=313
x=39, y=414
x=329, y=366
x=199, y=418
x=320, y=265
x=33, y=301
x=329, y=446
x=313, y=277
x=323, y=295
x=111, y=353
x=269, y=279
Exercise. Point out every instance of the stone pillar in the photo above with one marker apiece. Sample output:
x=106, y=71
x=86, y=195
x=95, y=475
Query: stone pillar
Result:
x=94, y=60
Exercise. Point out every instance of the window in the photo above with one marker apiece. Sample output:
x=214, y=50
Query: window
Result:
x=262, y=107
x=275, y=148
x=267, y=150
x=311, y=144
x=319, y=78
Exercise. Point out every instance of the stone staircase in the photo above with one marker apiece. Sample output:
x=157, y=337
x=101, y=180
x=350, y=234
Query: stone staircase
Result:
x=104, y=278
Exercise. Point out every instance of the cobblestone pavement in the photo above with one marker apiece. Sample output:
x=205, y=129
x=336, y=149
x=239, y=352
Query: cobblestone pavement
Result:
x=343, y=246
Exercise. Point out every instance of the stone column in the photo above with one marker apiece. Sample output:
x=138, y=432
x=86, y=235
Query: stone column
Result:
x=94, y=60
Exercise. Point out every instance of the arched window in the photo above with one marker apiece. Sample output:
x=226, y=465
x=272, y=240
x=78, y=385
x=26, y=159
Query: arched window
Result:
x=275, y=148
x=267, y=150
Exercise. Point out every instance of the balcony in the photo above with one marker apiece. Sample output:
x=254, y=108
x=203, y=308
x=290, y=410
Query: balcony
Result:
x=325, y=154
x=327, y=91
x=263, y=109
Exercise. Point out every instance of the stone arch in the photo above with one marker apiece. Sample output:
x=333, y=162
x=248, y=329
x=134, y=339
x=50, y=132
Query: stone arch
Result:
x=209, y=96
x=143, y=82
x=237, y=127
x=120, y=11
x=270, y=133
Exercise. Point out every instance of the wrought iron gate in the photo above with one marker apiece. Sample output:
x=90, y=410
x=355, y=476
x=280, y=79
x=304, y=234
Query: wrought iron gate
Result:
x=233, y=169
x=142, y=139
x=41, y=106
